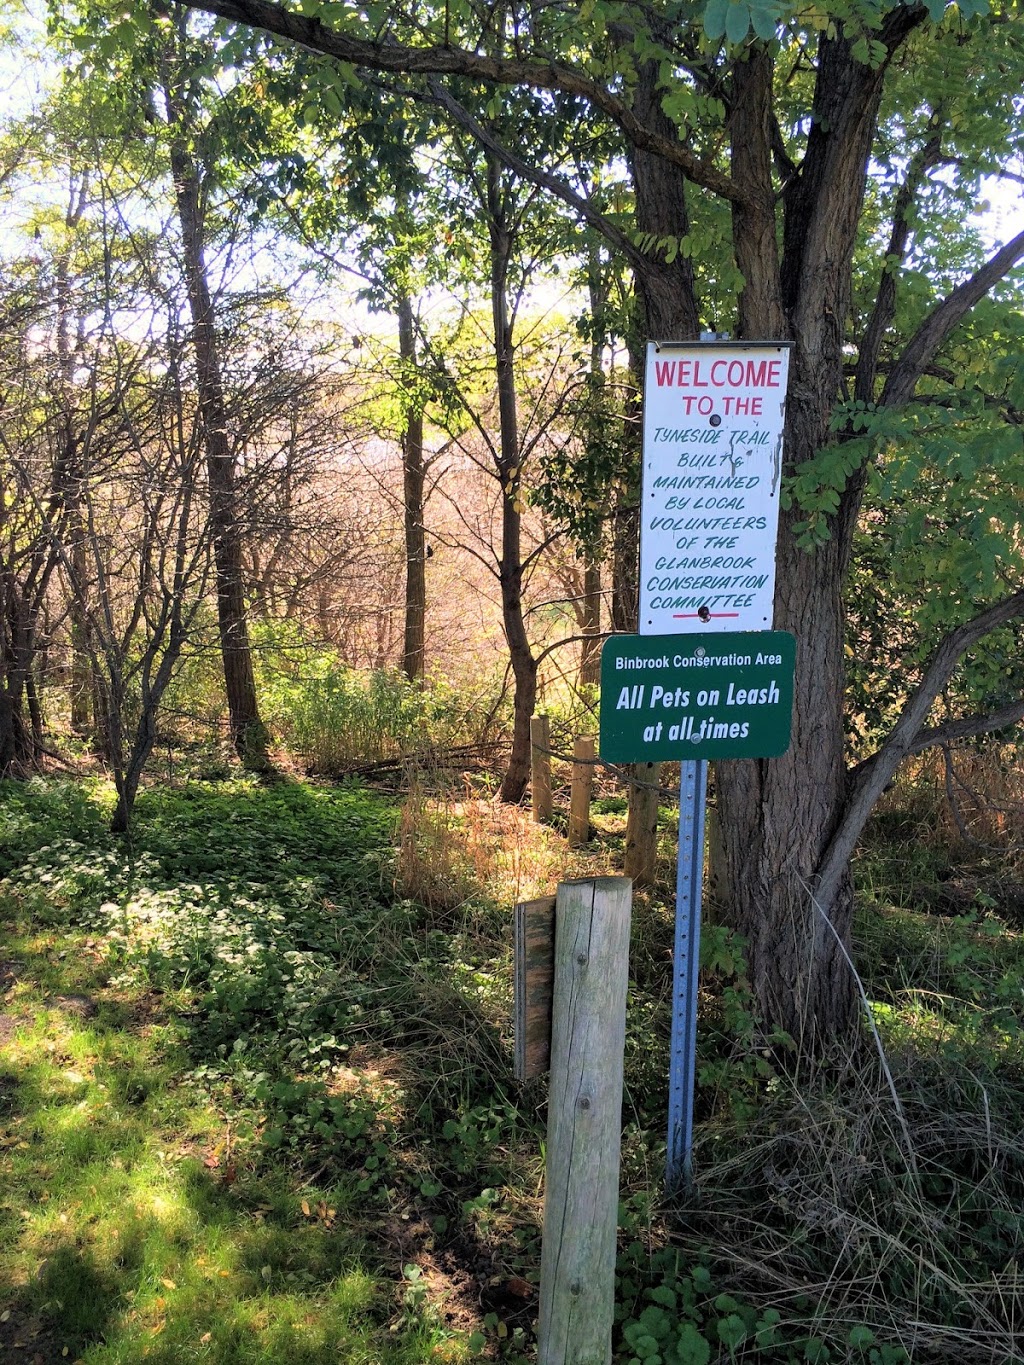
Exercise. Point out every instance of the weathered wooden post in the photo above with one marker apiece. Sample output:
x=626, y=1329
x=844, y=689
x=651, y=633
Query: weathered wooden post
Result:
x=582, y=790
x=540, y=769
x=588, y=1030
x=534, y=983
x=641, y=855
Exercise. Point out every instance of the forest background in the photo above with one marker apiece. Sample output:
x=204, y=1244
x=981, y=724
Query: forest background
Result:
x=242, y=523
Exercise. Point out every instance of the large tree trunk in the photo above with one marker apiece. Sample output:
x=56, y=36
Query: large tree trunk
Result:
x=777, y=816
x=18, y=753
x=414, y=484
x=24, y=578
x=248, y=733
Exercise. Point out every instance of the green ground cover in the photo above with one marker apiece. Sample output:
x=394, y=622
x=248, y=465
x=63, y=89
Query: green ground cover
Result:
x=256, y=1105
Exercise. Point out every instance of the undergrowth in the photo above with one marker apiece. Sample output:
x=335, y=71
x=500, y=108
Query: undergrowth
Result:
x=256, y=1099
x=336, y=717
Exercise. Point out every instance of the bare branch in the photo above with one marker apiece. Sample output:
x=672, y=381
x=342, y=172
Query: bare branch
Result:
x=968, y=727
x=536, y=176
x=571, y=640
x=874, y=776
x=885, y=303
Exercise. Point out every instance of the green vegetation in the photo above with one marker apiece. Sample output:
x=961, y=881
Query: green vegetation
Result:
x=256, y=1105
x=336, y=717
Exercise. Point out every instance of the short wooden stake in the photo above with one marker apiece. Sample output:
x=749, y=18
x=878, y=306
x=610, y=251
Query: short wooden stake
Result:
x=540, y=768
x=588, y=1030
x=533, y=980
x=641, y=853
x=581, y=791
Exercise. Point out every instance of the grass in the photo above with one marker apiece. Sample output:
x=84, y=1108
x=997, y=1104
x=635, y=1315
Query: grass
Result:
x=198, y=1161
x=255, y=1099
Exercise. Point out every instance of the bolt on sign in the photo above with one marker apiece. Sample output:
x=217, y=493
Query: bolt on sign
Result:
x=713, y=419
x=690, y=697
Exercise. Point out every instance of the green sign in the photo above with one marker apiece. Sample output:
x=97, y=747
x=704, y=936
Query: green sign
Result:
x=696, y=696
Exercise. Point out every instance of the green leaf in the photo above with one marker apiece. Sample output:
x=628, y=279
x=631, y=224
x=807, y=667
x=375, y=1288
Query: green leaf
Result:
x=732, y=1331
x=714, y=18
x=663, y=1295
x=763, y=19
x=737, y=22
x=861, y=1336
x=691, y=1347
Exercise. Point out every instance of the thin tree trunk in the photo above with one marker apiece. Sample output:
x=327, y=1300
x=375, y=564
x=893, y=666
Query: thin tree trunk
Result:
x=590, y=613
x=248, y=733
x=510, y=567
x=590, y=655
x=625, y=566
x=414, y=481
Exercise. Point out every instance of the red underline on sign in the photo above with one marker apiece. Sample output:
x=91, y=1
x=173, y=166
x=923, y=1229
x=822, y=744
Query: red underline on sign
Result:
x=687, y=615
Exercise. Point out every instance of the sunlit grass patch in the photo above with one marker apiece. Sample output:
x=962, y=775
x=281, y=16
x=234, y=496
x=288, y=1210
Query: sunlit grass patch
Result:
x=204, y=1137
x=130, y=1248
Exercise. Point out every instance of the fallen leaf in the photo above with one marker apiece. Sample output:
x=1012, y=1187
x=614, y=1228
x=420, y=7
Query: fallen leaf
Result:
x=5, y=1316
x=304, y=1206
x=207, y=1336
x=523, y=1289
x=168, y=1284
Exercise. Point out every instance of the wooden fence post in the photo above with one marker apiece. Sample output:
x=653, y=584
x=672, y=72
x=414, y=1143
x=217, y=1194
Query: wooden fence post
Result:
x=540, y=768
x=581, y=791
x=588, y=1030
x=641, y=853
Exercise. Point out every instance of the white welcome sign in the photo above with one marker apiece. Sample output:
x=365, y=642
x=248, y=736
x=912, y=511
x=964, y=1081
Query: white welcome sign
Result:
x=712, y=464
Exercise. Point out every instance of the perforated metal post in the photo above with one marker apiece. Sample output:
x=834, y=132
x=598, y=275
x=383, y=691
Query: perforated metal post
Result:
x=693, y=780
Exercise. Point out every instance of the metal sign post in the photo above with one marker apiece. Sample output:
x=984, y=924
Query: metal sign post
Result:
x=693, y=783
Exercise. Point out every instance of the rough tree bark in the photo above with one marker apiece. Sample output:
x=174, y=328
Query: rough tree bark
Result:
x=590, y=652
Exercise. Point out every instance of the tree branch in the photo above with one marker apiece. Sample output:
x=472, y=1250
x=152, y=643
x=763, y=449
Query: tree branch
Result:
x=874, y=775
x=535, y=176
x=952, y=730
x=921, y=348
x=398, y=58
x=885, y=303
